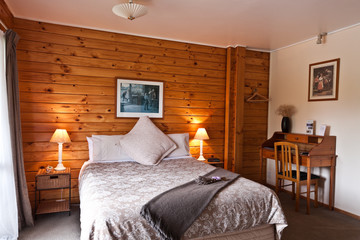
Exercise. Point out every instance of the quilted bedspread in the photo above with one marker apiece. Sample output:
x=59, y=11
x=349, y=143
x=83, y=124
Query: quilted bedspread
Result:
x=112, y=194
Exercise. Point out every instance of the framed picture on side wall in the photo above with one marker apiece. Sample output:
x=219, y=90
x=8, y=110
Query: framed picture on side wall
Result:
x=135, y=98
x=324, y=80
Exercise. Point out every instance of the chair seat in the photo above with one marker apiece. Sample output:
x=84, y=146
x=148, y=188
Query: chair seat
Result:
x=303, y=175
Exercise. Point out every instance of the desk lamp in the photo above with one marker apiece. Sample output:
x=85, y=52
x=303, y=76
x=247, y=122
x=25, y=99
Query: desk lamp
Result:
x=201, y=135
x=60, y=136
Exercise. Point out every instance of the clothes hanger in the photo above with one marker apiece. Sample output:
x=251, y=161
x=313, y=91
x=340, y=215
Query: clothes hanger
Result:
x=256, y=97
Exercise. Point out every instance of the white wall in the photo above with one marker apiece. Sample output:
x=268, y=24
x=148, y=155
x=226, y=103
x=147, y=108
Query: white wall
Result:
x=289, y=70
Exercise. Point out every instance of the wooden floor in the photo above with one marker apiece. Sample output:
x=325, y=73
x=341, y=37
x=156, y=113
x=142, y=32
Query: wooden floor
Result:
x=321, y=224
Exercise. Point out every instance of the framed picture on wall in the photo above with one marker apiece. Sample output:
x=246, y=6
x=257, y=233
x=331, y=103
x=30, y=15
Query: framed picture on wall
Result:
x=324, y=80
x=135, y=98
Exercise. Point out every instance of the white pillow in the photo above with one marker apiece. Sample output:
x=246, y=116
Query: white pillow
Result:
x=91, y=148
x=182, y=142
x=108, y=148
x=146, y=143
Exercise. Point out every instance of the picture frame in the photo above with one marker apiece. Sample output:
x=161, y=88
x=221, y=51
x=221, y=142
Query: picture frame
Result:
x=324, y=80
x=137, y=98
x=323, y=130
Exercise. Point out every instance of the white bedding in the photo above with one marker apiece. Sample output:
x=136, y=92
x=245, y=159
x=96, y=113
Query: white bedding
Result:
x=112, y=194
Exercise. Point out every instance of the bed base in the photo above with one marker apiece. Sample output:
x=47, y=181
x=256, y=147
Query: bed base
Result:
x=263, y=232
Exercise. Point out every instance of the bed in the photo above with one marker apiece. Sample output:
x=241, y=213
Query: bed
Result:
x=112, y=194
x=114, y=186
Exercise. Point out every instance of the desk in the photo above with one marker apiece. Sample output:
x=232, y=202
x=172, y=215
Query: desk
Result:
x=315, y=151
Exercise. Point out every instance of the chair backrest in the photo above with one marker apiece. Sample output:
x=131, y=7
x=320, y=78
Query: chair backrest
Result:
x=286, y=154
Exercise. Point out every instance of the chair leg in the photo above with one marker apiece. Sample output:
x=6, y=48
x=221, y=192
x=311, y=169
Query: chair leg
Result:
x=316, y=193
x=293, y=190
x=277, y=186
x=297, y=197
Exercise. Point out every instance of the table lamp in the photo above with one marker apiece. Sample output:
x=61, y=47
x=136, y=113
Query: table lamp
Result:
x=201, y=135
x=60, y=136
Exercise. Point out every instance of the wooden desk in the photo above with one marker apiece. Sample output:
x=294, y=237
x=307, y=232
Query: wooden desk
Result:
x=315, y=151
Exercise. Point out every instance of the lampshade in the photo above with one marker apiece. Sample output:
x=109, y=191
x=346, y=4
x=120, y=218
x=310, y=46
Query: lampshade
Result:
x=129, y=10
x=60, y=136
x=201, y=134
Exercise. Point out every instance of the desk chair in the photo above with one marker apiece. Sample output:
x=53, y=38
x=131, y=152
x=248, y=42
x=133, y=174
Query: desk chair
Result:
x=285, y=154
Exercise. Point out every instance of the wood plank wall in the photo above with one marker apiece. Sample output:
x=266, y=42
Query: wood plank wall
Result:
x=255, y=114
x=247, y=121
x=67, y=80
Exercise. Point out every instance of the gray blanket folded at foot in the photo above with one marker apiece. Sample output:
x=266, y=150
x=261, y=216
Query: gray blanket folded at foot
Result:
x=172, y=212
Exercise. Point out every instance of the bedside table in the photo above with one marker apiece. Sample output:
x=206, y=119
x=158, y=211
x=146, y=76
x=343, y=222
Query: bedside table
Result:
x=215, y=164
x=52, y=181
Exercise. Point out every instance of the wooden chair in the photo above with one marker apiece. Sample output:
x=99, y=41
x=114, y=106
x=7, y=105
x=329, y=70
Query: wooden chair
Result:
x=286, y=154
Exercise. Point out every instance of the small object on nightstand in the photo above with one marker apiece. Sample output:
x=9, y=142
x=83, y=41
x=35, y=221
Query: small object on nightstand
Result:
x=218, y=163
x=49, y=169
x=52, y=181
x=213, y=159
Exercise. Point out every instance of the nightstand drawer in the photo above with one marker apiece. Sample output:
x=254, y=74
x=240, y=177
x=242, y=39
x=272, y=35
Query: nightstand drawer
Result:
x=53, y=181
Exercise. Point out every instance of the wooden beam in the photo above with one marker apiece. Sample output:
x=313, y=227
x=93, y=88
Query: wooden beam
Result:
x=239, y=107
x=6, y=17
x=227, y=107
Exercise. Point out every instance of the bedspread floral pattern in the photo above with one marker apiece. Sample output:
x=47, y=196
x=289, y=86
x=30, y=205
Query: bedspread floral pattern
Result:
x=112, y=195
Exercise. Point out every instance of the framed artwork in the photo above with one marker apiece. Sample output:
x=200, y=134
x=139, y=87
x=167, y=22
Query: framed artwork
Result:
x=324, y=80
x=135, y=98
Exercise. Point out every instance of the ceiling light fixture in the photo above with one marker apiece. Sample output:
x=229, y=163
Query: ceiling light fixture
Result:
x=129, y=10
x=321, y=38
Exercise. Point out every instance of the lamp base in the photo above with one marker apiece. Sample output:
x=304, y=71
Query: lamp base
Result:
x=201, y=158
x=60, y=167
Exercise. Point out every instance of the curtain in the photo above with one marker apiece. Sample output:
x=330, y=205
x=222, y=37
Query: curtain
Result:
x=23, y=204
x=8, y=206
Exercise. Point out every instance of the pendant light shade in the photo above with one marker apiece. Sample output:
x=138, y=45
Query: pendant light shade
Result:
x=129, y=10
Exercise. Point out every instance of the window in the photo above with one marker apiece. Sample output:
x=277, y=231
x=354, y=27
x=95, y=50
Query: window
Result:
x=8, y=206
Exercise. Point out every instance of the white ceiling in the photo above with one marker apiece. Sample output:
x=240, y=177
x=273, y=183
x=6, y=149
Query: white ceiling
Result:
x=259, y=24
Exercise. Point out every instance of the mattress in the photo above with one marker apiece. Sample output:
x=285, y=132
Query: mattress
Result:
x=112, y=194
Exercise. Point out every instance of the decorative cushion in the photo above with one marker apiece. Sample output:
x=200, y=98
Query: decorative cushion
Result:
x=146, y=143
x=108, y=148
x=182, y=142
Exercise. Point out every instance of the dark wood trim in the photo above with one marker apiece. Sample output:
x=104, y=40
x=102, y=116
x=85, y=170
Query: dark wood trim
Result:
x=227, y=108
x=6, y=17
x=239, y=106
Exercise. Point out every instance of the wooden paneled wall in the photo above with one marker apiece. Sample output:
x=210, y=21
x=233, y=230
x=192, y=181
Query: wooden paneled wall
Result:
x=247, y=123
x=67, y=80
x=255, y=114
